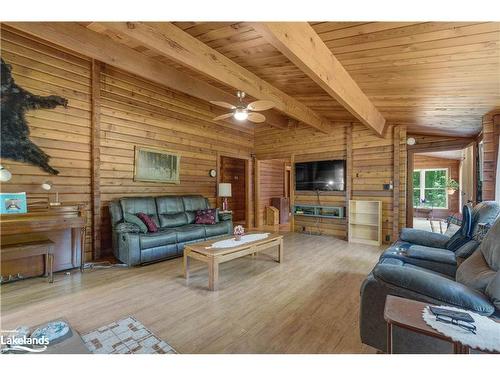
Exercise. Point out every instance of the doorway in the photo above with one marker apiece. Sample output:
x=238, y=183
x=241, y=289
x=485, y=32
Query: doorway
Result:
x=233, y=170
x=439, y=183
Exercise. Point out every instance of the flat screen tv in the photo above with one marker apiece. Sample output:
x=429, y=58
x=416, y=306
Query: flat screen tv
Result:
x=326, y=175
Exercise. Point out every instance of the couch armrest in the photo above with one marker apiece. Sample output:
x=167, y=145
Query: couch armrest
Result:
x=424, y=238
x=467, y=249
x=225, y=216
x=127, y=228
x=434, y=286
x=128, y=250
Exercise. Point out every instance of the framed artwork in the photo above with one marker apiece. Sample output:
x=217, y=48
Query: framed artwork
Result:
x=13, y=203
x=154, y=165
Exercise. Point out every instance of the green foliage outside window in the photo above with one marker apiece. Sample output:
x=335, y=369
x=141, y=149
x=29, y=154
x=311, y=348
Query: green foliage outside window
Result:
x=433, y=193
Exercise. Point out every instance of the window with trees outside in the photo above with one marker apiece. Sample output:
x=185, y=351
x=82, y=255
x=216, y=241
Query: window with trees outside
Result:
x=429, y=188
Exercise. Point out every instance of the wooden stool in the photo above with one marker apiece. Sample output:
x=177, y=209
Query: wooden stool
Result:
x=20, y=246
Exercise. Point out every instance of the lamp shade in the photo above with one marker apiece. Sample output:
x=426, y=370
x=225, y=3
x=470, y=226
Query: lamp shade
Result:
x=224, y=189
x=5, y=174
x=47, y=185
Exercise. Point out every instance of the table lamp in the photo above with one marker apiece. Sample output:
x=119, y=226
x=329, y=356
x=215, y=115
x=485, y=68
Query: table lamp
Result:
x=224, y=192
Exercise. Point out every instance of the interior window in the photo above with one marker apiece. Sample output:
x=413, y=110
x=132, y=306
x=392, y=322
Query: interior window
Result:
x=429, y=188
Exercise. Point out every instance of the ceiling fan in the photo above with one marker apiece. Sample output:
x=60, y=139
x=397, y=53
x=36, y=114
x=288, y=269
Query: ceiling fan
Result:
x=242, y=111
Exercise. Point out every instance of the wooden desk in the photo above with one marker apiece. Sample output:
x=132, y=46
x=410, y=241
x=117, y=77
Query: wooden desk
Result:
x=406, y=313
x=64, y=225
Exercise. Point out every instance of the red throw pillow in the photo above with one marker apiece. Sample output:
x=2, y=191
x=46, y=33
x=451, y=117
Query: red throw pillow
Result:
x=205, y=216
x=148, y=221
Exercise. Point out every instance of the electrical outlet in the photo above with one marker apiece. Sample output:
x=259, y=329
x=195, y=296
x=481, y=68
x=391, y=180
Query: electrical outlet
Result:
x=388, y=238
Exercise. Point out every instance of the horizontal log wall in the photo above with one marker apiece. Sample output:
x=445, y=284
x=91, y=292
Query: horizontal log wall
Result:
x=133, y=111
x=136, y=112
x=272, y=185
x=372, y=167
x=63, y=133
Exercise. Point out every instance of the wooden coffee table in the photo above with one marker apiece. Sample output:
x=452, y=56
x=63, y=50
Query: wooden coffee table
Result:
x=213, y=257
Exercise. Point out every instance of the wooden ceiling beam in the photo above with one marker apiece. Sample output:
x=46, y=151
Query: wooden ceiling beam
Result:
x=299, y=42
x=177, y=45
x=89, y=43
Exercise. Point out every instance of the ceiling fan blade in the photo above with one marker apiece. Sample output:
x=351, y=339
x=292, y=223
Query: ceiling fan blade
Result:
x=223, y=104
x=256, y=117
x=260, y=105
x=222, y=117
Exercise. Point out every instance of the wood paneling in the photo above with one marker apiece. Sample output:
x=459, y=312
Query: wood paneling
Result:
x=411, y=71
x=370, y=167
x=134, y=112
x=63, y=133
x=491, y=132
x=453, y=166
x=232, y=171
x=271, y=184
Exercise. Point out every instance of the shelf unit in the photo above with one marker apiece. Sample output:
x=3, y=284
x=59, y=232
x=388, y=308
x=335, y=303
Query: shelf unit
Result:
x=331, y=212
x=365, y=222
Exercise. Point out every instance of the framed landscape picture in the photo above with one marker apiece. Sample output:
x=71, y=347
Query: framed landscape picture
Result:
x=155, y=165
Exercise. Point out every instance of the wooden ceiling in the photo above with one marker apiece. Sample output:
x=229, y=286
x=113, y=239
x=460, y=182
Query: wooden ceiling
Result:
x=436, y=77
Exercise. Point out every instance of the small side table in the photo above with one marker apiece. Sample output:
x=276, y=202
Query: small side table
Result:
x=406, y=313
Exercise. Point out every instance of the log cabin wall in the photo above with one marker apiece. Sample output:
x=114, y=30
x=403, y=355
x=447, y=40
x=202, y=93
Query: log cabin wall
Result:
x=370, y=165
x=453, y=166
x=491, y=132
x=272, y=184
x=133, y=111
x=232, y=170
x=63, y=133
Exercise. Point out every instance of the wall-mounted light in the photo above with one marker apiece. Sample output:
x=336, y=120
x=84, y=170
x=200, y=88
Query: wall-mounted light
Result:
x=5, y=174
x=47, y=186
x=411, y=141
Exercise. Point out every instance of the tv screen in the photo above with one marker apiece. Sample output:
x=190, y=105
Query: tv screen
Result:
x=327, y=175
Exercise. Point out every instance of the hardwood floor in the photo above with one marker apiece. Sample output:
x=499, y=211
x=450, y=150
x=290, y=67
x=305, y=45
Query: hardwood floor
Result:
x=308, y=304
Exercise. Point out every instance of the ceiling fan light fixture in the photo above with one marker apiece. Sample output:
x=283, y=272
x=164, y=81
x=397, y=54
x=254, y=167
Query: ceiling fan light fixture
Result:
x=240, y=114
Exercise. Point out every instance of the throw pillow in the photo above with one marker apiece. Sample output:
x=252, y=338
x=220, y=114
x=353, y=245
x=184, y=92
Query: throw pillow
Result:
x=148, y=221
x=205, y=216
x=132, y=219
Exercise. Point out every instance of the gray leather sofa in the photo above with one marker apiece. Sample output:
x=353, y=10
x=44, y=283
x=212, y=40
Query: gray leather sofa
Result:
x=476, y=287
x=174, y=216
x=438, y=252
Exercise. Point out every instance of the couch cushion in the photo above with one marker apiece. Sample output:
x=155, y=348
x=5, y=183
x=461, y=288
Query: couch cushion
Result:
x=140, y=204
x=217, y=229
x=173, y=220
x=493, y=290
x=462, y=236
x=161, y=238
x=169, y=205
x=490, y=247
x=484, y=212
x=190, y=232
x=194, y=202
x=132, y=219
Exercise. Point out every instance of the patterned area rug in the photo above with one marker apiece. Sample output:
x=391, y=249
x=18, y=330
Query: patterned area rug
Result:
x=125, y=336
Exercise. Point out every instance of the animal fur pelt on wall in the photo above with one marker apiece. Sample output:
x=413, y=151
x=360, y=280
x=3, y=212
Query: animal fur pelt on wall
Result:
x=15, y=142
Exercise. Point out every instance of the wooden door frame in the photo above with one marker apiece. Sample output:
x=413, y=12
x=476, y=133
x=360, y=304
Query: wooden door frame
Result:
x=409, y=175
x=248, y=178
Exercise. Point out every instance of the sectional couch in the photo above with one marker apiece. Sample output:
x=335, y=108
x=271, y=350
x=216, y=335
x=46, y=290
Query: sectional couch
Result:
x=174, y=216
x=430, y=274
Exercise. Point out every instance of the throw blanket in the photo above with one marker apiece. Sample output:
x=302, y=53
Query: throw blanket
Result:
x=223, y=244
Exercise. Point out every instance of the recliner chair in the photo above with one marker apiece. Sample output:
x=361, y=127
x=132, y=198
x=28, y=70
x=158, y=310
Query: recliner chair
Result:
x=439, y=252
x=476, y=287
